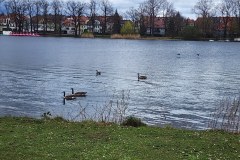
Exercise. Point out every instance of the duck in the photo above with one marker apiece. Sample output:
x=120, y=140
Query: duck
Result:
x=68, y=97
x=98, y=73
x=198, y=54
x=141, y=77
x=78, y=94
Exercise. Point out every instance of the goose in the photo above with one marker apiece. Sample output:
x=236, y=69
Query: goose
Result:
x=141, y=77
x=78, y=94
x=68, y=97
x=98, y=73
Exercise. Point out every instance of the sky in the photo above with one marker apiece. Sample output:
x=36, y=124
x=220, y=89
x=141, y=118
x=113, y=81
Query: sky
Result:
x=183, y=6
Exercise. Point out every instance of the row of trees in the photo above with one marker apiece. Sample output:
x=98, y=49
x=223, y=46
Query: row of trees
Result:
x=228, y=10
x=213, y=17
x=36, y=9
x=143, y=17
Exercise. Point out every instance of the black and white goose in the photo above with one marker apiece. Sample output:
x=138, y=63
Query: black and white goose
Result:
x=141, y=77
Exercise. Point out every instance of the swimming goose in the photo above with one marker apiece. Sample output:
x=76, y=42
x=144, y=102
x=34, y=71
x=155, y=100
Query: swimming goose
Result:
x=78, y=94
x=141, y=77
x=98, y=73
x=68, y=97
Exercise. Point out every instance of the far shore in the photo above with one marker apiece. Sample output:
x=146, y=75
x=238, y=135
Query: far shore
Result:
x=137, y=37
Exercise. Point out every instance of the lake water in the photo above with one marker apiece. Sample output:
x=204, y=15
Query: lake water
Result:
x=181, y=90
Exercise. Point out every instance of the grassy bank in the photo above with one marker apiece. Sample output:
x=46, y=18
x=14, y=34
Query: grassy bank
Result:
x=24, y=138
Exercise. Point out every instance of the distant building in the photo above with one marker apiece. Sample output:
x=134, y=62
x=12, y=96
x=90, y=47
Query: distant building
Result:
x=159, y=26
x=219, y=27
x=6, y=23
x=190, y=22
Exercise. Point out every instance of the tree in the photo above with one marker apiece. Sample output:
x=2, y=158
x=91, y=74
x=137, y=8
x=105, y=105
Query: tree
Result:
x=17, y=9
x=134, y=16
x=30, y=12
x=45, y=7
x=37, y=5
x=226, y=10
x=169, y=16
x=57, y=7
x=179, y=20
x=153, y=8
x=93, y=13
x=190, y=33
x=75, y=10
x=107, y=9
x=141, y=14
x=116, y=23
x=236, y=12
x=128, y=28
x=205, y=10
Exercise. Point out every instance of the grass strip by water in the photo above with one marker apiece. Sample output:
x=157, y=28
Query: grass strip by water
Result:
x=26, y=138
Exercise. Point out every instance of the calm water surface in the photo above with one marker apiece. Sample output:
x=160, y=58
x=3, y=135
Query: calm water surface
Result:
x=180, y=90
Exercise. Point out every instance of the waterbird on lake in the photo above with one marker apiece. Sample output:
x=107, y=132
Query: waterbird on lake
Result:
x=68, y=97
x=79, y=94
x=198, y=54
x=178, y=54
x=98, y=73
x=141, y=77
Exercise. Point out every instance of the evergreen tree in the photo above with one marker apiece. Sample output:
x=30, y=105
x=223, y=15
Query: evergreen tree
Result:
x=116, y=23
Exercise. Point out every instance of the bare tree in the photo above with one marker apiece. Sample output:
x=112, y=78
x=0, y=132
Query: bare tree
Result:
x=236, y=11
x=168, y=16
x=93, y=13
x=205, y=10
x=37, y=8
x=57, y=7
x=226, y=9
x=17, y=9
x=45, y=9
x=30, y=12
x=133, y=15
x=107, y=10
x=75, y=10
x=141, y=14
x=153, y=8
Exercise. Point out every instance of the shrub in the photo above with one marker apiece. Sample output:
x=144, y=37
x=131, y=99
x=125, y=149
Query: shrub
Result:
x=87, y=35
x=126, y=36
x=190, y=33
x=227, y=116
x=128, y=28
x=133, y=121
x=59, y=119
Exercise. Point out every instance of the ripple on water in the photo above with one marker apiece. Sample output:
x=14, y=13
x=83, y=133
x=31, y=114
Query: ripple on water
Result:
x=179, y=91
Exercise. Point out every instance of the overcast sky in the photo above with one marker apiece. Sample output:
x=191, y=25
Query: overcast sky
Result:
x=184, y=6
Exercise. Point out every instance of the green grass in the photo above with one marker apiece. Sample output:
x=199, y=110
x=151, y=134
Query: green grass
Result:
x=25, y=138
